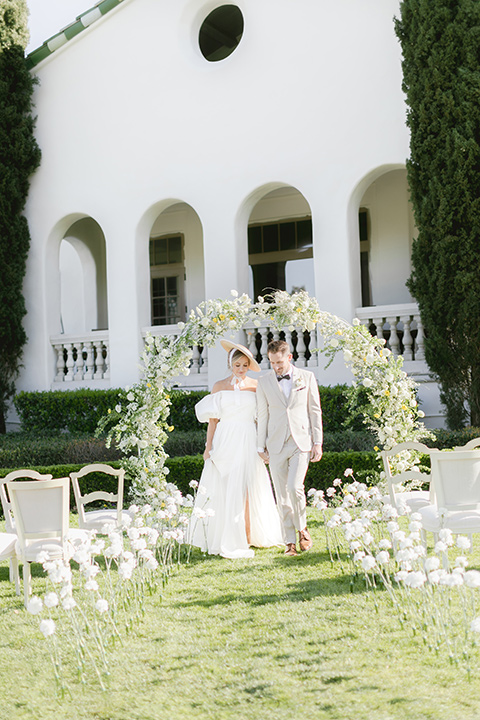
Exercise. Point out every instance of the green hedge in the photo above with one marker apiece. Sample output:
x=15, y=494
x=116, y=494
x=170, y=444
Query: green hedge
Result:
x=25, y=449
x=94, y=481
x=78, y=411
x=184, y=469
x=182, y=410
x=320, y=475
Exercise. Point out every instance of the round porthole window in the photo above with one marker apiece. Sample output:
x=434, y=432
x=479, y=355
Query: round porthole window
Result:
x=221, y=32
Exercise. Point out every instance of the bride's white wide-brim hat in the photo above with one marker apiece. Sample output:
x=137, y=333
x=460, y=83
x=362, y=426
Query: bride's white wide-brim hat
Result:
x=228, y=345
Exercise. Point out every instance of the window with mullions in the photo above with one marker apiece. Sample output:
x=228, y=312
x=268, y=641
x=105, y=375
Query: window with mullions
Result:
x=280, y=237
x=167, y=275
x=274, y=251
x=166, y=250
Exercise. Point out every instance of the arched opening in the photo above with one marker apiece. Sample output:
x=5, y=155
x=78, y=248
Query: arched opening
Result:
x=83, y=278
x=176, y=265
x=280, y=243
x=386, y=229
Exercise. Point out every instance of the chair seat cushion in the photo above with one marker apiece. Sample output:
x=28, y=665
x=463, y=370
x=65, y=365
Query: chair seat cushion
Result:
x=76, y=536
x=97, y=519
x=415, y=499
x=30, y=553
x=8, y=542
x=461, y=521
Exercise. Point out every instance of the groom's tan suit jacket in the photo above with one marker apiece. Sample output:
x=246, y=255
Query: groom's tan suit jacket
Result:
x=299, y=416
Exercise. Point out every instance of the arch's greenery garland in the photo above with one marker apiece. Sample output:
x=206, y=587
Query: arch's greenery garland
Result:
x=139, y=423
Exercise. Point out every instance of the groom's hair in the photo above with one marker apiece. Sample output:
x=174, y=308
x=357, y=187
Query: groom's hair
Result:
x=278, y=346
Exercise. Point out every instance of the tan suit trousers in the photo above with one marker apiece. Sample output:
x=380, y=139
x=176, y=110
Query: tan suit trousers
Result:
x=288, y=469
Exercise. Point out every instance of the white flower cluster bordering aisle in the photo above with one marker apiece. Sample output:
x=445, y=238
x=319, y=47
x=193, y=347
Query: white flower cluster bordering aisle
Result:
x=139, y=423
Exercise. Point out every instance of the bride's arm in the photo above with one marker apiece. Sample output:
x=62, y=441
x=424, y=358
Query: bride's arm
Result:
x=212, y=426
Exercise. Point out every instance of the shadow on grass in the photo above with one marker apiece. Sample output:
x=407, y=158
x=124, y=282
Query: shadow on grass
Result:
x=293, y=592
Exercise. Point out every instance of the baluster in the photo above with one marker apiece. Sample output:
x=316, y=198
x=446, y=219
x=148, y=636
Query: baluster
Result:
x=251, y=341
x=407, y=338
x=60, y=376
x=288, y=338
x=99, y=362
x=394, y=341
x=69, y=362
x=301, y=348
x=195, y=367
x=419, y=341
x=78, y=374
x=205, y=359
x=378, y=322
x=312, y=346
x=106, y=362
x=89, y=361
x=263, y=348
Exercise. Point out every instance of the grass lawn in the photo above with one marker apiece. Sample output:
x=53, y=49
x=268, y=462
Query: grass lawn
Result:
x=272, y=638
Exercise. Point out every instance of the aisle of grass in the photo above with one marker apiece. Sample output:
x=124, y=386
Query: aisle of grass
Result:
x=274, y=638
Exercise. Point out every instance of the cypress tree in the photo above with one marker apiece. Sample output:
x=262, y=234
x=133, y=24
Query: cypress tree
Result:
x=19, y=157
x=440, y=43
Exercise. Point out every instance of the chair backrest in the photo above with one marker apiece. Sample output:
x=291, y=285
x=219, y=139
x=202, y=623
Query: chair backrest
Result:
x=40, y=509
x=6, y=504
x=395, y=480
x=456, y=478
x=82, y=500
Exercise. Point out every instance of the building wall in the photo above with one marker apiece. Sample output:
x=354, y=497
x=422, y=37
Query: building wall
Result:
x=132, y=119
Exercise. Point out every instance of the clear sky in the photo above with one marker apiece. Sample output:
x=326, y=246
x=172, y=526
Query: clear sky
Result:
x=47, y=17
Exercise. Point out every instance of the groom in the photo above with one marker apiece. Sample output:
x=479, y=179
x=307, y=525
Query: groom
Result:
x=289, y=435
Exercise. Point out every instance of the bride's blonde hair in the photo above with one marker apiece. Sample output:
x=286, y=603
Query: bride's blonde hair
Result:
x=235, y=355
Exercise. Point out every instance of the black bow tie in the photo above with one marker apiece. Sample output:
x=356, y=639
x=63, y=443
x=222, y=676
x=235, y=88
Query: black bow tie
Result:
x=283, y=377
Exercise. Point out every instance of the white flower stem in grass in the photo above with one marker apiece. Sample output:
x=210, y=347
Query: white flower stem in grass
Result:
x=436, y=603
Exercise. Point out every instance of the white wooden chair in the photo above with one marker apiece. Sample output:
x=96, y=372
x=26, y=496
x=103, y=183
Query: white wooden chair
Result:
x=41, y=513
x=6, y=504
x=456, y=481
x=10, y=537
x=97, y=519
x=397, y=495
x=8, y=543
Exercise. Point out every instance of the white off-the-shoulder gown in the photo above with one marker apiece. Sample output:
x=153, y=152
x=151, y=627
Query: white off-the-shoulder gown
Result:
x=233, y=471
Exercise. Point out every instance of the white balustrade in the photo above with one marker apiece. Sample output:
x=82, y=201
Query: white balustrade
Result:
x=400, y=325
x=304, y=345
x=81, y=358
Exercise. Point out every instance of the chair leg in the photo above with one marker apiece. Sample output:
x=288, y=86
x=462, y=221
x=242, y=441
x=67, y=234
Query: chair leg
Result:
x=26, y=582
x=14, y=574
x=423, y=535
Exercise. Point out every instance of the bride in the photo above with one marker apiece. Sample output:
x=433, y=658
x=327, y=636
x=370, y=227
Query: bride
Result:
x=235, y=507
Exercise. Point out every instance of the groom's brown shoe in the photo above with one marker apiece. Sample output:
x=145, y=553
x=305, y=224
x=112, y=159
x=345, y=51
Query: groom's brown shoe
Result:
x=291, y=550
x=305, y=541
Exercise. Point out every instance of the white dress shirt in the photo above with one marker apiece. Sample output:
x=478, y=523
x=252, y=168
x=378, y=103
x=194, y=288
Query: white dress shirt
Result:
x=286, y=385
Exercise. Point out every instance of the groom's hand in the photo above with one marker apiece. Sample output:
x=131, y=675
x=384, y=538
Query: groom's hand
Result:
x=265, y=456
x=316, y=453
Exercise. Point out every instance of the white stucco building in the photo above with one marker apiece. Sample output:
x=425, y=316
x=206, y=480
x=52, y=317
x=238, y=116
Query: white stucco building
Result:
x=190, y=147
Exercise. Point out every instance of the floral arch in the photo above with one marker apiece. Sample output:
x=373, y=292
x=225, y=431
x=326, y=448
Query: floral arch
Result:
x=139, y=423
